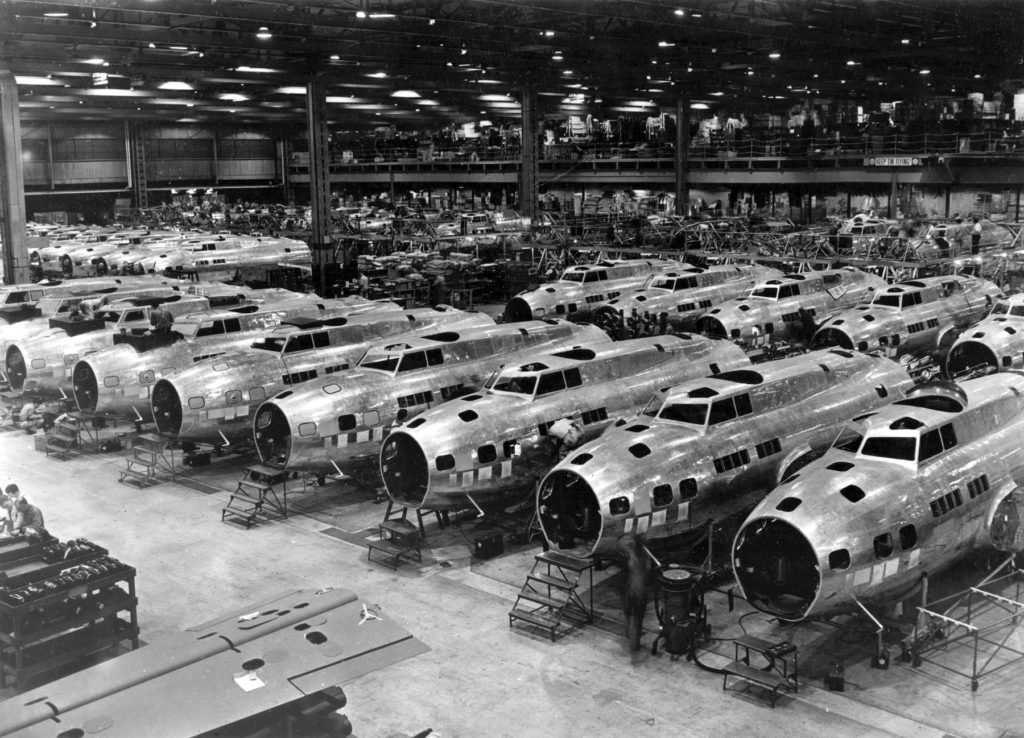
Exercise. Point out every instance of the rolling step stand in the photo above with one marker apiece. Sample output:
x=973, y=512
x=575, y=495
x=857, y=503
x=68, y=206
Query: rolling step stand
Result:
x=549, y=599
x=261, y=492
x=151, y=454
x=64, y=438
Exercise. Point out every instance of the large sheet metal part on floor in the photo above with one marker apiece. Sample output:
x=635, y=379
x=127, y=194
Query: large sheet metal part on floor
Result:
x=212, y=675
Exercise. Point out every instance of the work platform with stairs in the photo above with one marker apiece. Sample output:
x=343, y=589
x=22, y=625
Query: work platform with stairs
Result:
x=550, y=600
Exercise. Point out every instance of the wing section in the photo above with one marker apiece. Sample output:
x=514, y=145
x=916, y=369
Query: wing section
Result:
x=237, y=666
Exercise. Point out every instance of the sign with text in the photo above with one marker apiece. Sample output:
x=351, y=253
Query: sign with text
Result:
x=893, y=161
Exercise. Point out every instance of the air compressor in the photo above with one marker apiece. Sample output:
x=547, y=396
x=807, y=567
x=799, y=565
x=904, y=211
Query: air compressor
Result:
x=682, y=614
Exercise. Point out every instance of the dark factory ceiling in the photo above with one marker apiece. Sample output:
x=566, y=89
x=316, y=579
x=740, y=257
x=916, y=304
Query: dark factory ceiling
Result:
x=425, y=63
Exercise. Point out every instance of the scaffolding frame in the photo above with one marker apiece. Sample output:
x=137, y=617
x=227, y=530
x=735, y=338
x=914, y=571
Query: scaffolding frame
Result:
x=936, y=631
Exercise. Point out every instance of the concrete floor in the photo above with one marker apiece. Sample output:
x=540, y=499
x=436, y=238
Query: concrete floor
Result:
x=480, y=677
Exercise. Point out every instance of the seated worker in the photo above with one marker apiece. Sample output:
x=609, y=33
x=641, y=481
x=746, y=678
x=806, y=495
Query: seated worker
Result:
x=28, y=519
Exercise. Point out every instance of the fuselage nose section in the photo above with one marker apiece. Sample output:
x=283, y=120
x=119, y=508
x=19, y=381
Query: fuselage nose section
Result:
x=517, y=310
x=166, y=407
x=85, y=387
x=829, y=336
x=273, y=434
x=569, y=512
x=403, y=466
x=776, y=568
x=16, y=371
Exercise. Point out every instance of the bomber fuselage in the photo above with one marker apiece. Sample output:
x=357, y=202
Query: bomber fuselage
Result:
x=487, y=445
x=715, y=446
x=906, y=490
x=343, y=420
x=213, y=400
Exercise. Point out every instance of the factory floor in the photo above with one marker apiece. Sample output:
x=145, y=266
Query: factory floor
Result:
x=480, y=677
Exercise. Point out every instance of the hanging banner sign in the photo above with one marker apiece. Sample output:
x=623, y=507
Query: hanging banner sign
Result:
x=893, y=161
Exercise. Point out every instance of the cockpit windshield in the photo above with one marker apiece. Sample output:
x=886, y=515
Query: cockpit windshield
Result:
x=692, y=413
x=887, y=300
x=383, y=362
x=849, y=438
x=1003, y=308
x=573, y=276
x=768, y=292
x=520, y=385
x=901, y=448
x=271, y=344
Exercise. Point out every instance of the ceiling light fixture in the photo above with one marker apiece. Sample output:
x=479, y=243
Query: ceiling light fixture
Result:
x=774, y=55
x=905, y=41
x=264, y=33
x=663, y=44
x=175, y=85
x=56, y=15
x=925, y=71
x=382, y=15
x=679, y=11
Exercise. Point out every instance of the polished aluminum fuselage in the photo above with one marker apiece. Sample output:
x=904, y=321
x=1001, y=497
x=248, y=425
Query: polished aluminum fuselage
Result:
x=657, y=477
x=993, y=344
x=682, y=306
x=932, y=312
x=120, y=380
x=504, y=445
x=581, y=288
x=215, y=398
x=753, y=320
x=855, y=527
x=332, y=421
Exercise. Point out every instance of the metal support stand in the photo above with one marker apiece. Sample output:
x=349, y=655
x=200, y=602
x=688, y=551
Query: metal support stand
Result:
x=976, y=616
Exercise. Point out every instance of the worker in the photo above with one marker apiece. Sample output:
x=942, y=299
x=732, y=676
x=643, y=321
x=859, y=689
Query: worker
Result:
x=976, y=235
x=566, y=435
x=439, y=294
x=161, y=320
x=6, y=515
x=364, y=285
x=28, y=519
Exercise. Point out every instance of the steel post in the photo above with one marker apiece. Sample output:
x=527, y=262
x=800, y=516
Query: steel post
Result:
x=12, y=184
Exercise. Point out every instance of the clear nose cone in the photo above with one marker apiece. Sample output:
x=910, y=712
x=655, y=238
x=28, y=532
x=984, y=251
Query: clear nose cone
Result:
x=776, y=568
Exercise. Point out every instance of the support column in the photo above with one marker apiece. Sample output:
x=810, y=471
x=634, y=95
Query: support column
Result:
x=325, y=262
x=284, y=150
x=682, y=150
x=137, y=164
x=12, y=183
x=528, y=165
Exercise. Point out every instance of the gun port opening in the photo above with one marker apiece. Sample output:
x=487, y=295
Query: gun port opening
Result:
x=403, y=465
x=776, y=568
x=166, y=407
x=569, y=513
